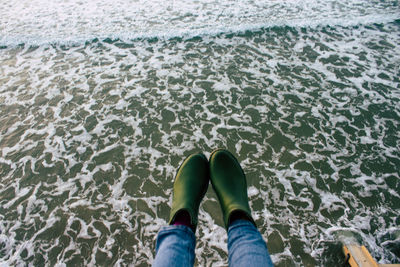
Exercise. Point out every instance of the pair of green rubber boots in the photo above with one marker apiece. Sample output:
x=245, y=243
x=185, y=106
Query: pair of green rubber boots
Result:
x=227, y=179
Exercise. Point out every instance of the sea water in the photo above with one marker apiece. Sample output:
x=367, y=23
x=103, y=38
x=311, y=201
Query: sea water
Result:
x=100, y=102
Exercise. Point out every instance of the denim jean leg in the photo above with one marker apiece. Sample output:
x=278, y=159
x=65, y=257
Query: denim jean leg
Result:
x=175, y=246
x=246, y=246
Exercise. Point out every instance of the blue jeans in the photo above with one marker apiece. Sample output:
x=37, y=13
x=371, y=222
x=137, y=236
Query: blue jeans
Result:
x=175, y=246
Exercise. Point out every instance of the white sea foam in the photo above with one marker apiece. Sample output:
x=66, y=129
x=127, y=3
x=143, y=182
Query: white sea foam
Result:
x=65, y=100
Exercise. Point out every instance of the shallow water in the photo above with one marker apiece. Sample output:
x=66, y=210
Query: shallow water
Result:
x=93, y=130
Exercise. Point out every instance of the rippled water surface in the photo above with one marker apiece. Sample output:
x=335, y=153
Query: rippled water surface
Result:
x=99, y=106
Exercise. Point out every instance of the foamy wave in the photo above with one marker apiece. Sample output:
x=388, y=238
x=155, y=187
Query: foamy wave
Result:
x=74, y=22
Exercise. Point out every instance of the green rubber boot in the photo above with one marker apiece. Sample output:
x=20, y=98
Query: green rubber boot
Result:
x=229, y=183
x=190, y=186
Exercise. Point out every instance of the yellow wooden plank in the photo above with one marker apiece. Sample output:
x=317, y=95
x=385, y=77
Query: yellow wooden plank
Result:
x=359, y=256
x=368, y=258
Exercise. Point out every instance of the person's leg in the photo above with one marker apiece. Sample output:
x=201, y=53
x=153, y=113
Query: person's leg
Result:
x=175, y=246
x=176, y=243
x=246, y=246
